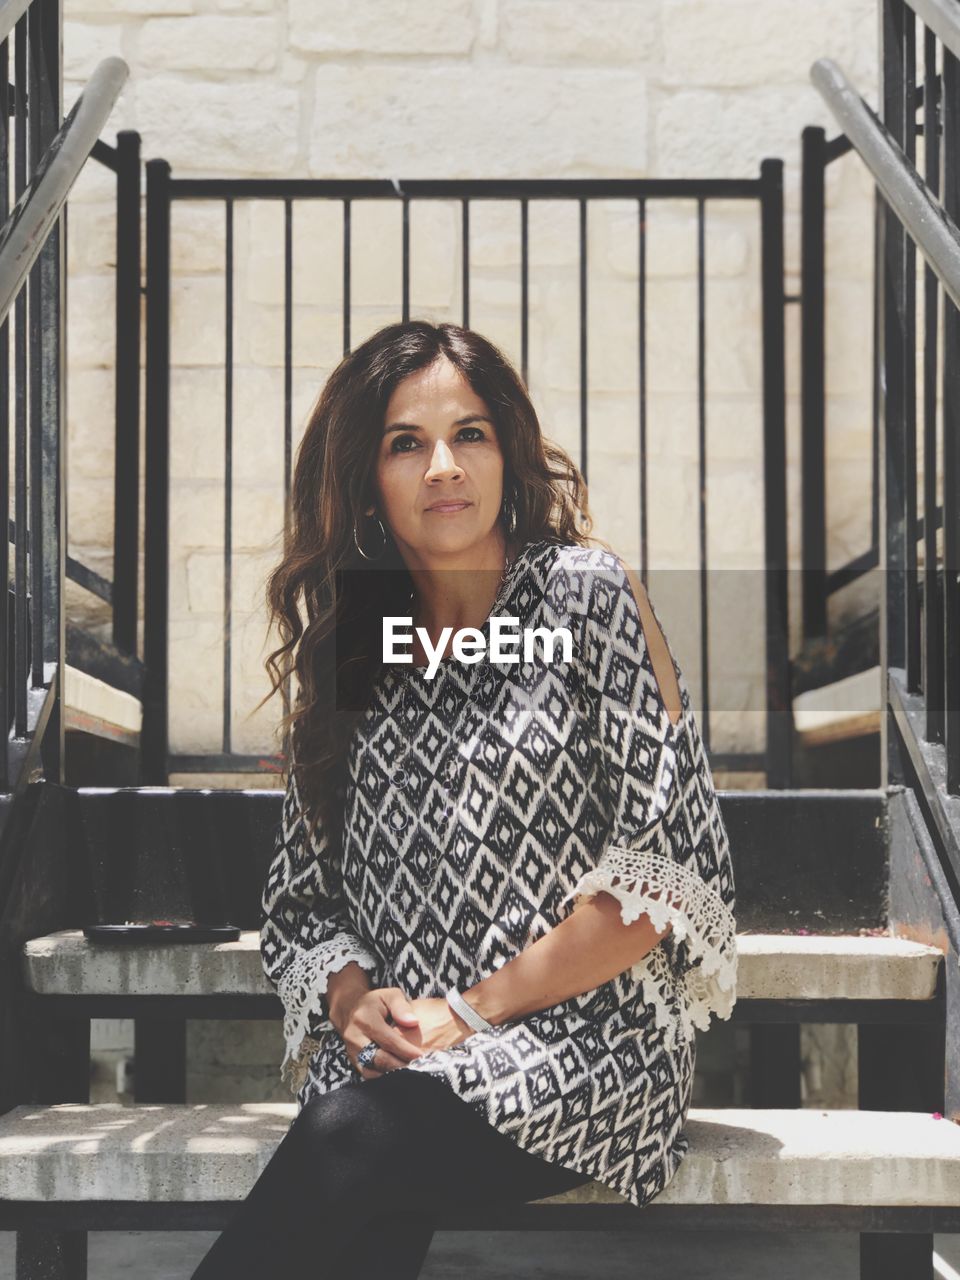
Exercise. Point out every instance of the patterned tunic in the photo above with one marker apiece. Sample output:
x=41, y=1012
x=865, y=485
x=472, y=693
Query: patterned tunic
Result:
x=481, y=806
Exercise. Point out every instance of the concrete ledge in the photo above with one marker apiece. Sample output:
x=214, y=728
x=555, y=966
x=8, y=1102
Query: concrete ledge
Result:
x=847, y=708
x=96, y=707
x=771, y=967
x=201, y=1153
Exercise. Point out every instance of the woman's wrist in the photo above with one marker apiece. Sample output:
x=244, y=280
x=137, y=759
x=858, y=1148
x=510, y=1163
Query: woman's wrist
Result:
x=344, y=988
x=483, y=998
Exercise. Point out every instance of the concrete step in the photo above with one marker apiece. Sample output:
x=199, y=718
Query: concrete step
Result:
x=95, y=707
x=203, y=1153
x=847, y=708
x=771, y=967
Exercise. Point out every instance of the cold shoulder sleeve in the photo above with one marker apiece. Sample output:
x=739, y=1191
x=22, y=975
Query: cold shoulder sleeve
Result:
x=667, y=854
x=306, y=933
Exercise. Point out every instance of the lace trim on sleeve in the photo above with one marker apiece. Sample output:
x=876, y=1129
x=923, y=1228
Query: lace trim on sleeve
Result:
x=300, y=986
x=645, y=881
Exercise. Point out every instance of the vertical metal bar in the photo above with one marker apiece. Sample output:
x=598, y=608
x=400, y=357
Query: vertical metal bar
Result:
x=951, y=438
x=287, y=348
x=912, y=637
x=702, y=471
x=583, y=336
x=891, y=373
x=878, y=208
x=779, y=709
x=642, y=374
x=228, y=483
x=20, y=403
x=35, y=440
x=49, y=468
x=524, y=291
x=465, y=260
x=5, y=616
x=126, y=493
x=154, y=734
x=346, y=276
x=406, y=258
x=287, y=389
x=812, y=385
x=932, y=612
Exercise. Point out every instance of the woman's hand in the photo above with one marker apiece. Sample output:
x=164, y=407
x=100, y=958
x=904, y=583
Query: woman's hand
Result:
x=417, y=1027
x=383, y=1015
x=438, y=1027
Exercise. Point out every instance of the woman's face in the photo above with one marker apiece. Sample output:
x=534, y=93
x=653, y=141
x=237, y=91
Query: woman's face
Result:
x=438, y=443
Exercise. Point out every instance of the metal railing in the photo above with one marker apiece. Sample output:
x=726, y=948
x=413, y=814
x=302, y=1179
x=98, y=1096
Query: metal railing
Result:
x=920, y=610
x=163, y=191
x=46, y=154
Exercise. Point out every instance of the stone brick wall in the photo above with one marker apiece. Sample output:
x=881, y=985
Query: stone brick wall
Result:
x=467, y=88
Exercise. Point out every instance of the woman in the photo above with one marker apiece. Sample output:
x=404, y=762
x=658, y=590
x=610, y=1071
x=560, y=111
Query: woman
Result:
x=501, y=896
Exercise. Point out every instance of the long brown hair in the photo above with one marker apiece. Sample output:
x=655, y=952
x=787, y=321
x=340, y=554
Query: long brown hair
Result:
x=336, y=655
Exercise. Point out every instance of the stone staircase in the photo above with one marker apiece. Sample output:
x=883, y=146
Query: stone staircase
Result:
x=843, y=919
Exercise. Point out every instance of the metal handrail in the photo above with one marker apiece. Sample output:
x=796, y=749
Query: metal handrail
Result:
x=940, y=17
x=11, y=11
x=38, y=208
x=935, y=234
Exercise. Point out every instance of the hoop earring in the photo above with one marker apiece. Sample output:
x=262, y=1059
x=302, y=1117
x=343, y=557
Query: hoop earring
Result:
x=509, y=516
x=383, y=545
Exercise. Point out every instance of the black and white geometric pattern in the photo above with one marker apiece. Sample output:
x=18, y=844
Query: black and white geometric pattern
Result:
x=482, y=804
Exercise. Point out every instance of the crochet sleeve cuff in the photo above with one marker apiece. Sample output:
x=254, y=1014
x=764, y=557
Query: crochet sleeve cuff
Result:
x=645, y=881
x=302, y=988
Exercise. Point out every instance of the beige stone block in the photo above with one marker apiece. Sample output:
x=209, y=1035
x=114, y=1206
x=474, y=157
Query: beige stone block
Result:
x=443, y=122
x=92, y=237
x=196, y=683
x=849, y=244
x=849, y=337
x=245, y=6
x=317, y=339
x=196, y=515
x=91, y=306
x=198, y=239
x=780, y=49
x=219, y=128
x=112, y=7
x=90, y=415
x=717, y=134
x=197, y=320
x=495, y=234
x=208, y=42
x=197, y=424
x=85, y=44
x=90, y=504
x=205, y=576
x=848, y=430
x=258, y=426
x=605, y=32
x=671, y=335
x=95, y=182
x=317, y=250
x=672, y=239
x=257, y=516
x=366, y=26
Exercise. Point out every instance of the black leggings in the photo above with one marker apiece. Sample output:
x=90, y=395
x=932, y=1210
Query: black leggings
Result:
x=352, y=1188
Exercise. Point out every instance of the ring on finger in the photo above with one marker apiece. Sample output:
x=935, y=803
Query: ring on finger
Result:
x=367, y=1054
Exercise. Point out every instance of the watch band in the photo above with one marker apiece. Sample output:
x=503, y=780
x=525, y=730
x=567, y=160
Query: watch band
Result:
x=470, y=1016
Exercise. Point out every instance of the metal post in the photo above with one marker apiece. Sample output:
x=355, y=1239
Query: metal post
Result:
x=779, y=710
x=157, y=489
x=126, y=520
x=812, y=392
